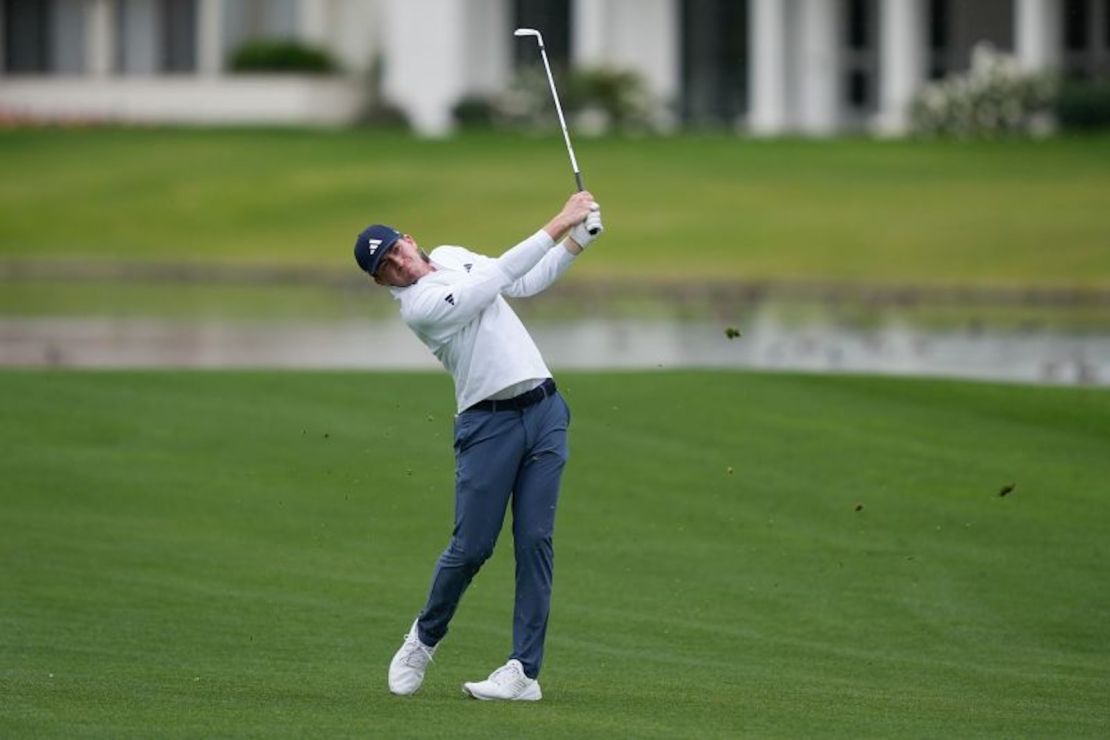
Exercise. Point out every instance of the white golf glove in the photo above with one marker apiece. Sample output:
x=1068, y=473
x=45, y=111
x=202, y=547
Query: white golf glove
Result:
x=584, y=233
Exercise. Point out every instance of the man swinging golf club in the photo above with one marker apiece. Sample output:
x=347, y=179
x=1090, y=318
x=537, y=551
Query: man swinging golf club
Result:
x=511, y=427
x=510, y=431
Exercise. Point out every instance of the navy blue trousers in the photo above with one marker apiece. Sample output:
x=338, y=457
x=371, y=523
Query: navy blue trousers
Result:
x=513, y=455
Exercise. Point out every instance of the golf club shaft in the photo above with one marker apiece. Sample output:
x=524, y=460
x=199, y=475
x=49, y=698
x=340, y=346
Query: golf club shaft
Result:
x=562, y=121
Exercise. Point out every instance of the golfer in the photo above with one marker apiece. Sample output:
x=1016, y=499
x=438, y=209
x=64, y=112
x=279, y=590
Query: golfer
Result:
x=510, y=431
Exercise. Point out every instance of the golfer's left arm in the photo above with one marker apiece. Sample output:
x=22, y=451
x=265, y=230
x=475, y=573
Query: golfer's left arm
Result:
x=553, y=264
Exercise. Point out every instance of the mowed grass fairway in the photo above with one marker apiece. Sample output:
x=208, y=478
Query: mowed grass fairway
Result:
x=239, y=554
x=1007, y=212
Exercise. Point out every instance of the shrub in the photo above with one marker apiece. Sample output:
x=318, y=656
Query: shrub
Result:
x=475, y=111
x=597, y=99
x=618, y=98
x=526, y=103
x=1084, y=105
x=281, y=55
x=995, y=97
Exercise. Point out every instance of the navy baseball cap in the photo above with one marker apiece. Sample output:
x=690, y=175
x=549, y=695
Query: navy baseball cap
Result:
x=372, y=244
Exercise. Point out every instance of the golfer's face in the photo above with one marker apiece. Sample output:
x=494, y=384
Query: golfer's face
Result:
x=401, y=264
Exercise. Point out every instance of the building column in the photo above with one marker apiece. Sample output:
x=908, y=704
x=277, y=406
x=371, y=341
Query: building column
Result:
x=1037, y=33
x=767, y=68
x=210, y=37
x=99, y=37
x=426, y=75
x=591, y=20
x=487, y=66
x=902, y=27
x=312, y=21
x=819, y=85
x=637, y=35
x=357, y=33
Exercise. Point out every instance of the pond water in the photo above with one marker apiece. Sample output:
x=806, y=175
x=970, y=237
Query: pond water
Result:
x=1030, y=355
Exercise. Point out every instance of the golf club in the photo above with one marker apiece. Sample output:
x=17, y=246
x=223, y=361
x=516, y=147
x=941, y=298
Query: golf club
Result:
x=594, y=221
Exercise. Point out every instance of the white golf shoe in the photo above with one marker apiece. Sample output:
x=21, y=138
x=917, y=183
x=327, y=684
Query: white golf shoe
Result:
x=508, y=682
x=406, y=670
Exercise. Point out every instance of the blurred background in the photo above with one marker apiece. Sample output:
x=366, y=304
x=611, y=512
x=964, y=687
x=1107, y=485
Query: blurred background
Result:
x=897, y=186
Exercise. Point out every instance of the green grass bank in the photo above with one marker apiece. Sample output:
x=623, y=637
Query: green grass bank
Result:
x=687, y=207
x=238, y=554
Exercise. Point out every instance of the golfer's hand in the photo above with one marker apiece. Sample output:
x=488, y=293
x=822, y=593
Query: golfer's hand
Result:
x=573, y=213
x=584, y=233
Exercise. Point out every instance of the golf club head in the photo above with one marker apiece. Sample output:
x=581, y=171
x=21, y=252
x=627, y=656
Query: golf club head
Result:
x=530, y=32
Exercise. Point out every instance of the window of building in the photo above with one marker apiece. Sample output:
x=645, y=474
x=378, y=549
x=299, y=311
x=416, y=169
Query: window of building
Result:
x=858, y=26
x=552, y=18
x=714, y=61
x=1106, y=24
x=247, y=20
x=179, y=36
x=859, y=89
x=27, y=36
x=940, y=33
x=860, y=54
x=1076, y=22
x=939, y=17
x=155, y=37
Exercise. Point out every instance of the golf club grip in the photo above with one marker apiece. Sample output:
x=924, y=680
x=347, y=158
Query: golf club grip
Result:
x=593, y=228
x=581, y=186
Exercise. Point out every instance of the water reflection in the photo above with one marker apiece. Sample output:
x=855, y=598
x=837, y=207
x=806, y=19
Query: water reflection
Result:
x=768, y=341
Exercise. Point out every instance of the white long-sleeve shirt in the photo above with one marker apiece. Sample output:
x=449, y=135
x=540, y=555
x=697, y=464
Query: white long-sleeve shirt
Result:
x=460, y=313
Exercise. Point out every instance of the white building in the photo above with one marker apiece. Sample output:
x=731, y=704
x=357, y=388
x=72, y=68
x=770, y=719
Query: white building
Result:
x=767, y=66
